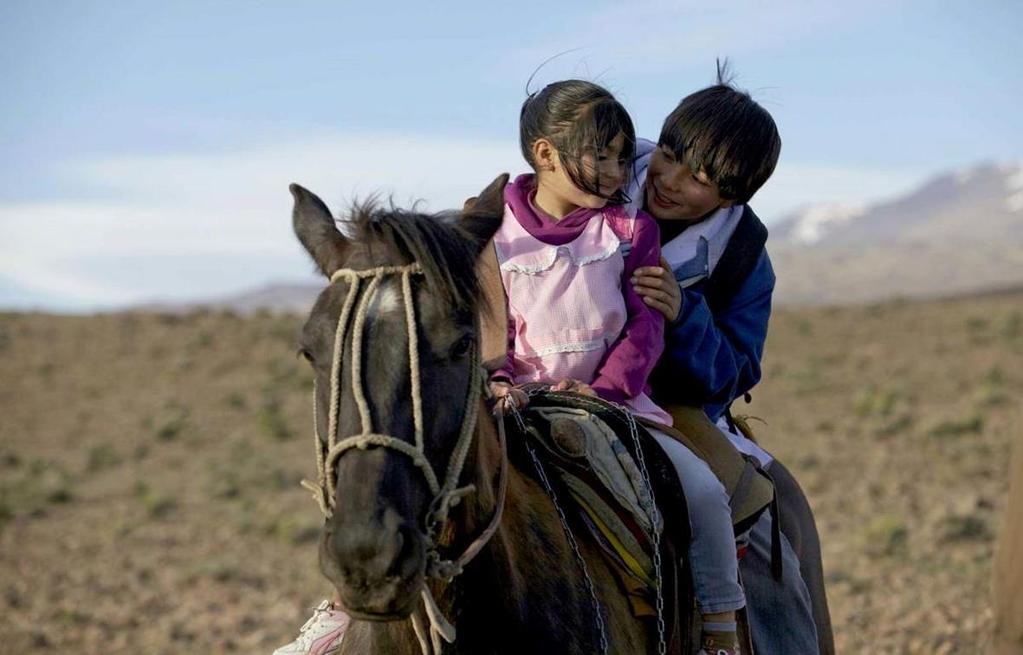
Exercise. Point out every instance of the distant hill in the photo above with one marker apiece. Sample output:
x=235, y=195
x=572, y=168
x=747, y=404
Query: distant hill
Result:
x=292, y=298
x=283, y=297
x=959, y=232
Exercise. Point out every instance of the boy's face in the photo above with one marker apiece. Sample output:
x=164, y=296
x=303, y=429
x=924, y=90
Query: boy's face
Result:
x=674, y=192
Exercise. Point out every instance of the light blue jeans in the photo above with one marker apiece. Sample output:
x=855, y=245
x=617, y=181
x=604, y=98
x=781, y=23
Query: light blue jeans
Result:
x=712, y=548
x=780, y=614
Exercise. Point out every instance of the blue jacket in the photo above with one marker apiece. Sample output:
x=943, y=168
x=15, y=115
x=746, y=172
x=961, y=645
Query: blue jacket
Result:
x=713, y=348
x=713, y=358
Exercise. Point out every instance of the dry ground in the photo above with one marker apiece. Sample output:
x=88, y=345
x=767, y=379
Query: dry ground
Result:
x=149, y=469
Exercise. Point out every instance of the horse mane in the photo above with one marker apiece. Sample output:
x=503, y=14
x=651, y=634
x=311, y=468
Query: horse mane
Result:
x=446, y=253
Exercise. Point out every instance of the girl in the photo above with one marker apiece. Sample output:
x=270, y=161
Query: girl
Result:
x=564, y=249
x=567, y=250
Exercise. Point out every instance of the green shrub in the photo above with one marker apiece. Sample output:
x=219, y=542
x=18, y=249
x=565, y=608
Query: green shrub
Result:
x=6, y=512
x=272, y=420
x=970, y=424
x=1012, y=326
x=236, y=400
x=157, y=505
x=887, y=536
x=32, y=490
x=873, y=401
x=173, y=424
x=294, y=530
x=101, y=457
x=968, y=527
x=896, y=425
x=991, y=391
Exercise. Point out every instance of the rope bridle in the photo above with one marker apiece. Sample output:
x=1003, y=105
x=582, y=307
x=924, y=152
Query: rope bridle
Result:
x=445, y=492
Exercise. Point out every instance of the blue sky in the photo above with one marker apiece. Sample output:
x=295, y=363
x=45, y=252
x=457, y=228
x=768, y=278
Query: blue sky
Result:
x=146, y=148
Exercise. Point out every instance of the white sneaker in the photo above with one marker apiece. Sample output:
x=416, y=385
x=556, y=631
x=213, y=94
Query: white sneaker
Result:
x=321, y=634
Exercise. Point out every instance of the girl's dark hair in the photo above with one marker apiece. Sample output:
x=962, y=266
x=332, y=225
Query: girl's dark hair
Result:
x=578, y=118
x=723, y=132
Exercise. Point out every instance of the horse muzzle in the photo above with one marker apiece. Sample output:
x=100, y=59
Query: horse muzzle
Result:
x=378, y=572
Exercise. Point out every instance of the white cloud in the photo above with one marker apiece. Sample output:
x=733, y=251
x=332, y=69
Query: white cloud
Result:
x=197, y=207
x=174, y=218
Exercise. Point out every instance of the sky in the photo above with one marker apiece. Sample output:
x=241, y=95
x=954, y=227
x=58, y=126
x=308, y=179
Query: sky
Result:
x=146, y=147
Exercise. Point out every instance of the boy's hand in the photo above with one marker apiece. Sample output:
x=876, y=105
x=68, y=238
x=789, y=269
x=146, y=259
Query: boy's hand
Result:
x=507, y=397
x=575, y=386
x=658, y=288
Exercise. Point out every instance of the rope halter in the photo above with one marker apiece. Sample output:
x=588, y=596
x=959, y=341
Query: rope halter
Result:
x=444, y=490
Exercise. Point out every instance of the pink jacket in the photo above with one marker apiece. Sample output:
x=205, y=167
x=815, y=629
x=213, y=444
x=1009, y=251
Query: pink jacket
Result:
x=572, y=312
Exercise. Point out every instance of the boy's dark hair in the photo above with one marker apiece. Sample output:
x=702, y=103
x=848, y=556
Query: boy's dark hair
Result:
x=723, y=132
x=578, y=117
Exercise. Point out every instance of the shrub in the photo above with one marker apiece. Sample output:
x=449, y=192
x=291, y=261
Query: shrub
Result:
x=172, y=425
x=294, y=530
x=1012, y=327
x=873, y=401
x=236, y=400
x=157, y=505
x=970, y=424
x=272, y=420
x=102, y=457
x=33, y=489
x=887, y=536
x=968, y=527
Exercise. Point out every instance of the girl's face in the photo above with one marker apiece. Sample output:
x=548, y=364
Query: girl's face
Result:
x=675, y=192
x=608, y=167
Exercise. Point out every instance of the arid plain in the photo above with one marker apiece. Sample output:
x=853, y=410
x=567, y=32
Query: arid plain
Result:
x=150, y=467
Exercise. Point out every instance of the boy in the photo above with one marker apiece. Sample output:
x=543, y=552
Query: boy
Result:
x=715, y=150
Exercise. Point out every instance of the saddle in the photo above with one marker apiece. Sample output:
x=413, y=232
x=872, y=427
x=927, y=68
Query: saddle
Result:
x=577, y=438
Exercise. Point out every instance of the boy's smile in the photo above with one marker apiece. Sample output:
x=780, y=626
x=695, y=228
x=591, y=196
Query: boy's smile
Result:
x=675, y=193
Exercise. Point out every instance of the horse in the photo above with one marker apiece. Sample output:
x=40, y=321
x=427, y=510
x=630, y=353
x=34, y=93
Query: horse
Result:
x=476, y=558
x=1008, y=568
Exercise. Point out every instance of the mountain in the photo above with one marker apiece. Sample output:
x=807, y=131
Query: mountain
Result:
x=292, y=297
x=959, y=232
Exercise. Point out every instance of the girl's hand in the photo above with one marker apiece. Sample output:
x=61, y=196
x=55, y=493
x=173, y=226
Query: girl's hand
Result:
x=507, y=397
x=658, y=288
x=575, y=386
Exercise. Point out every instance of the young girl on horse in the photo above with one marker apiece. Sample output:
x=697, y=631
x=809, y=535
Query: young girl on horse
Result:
x=567, y=250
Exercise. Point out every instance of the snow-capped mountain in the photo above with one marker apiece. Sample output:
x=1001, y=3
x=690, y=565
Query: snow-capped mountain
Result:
x=959, y=232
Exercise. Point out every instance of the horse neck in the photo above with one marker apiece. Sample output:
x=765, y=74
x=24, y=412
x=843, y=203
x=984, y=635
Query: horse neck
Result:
x=527, y=570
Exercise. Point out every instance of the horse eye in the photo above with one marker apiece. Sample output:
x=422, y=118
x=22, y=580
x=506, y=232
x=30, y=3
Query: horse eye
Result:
x=461, y=347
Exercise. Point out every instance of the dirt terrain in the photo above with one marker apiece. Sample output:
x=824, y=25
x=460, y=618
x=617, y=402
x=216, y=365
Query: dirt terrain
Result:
x=149, y=470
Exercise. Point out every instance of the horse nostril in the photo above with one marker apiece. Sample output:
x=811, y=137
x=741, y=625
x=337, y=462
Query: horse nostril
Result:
x=365, y=556
x=404, y=551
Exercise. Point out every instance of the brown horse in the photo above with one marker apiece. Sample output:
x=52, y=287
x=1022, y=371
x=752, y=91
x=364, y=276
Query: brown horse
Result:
x=410, y=277
x=1008, y=570
x=393, y=341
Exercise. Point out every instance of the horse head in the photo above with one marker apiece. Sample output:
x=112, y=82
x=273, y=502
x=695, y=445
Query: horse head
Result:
x=393, y=344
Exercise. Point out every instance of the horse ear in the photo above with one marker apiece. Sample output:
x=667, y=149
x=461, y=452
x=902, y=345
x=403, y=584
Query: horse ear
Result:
x=314, y=227
x=482, y=215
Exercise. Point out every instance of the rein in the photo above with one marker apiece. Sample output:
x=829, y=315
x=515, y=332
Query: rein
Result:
x=432, y=627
